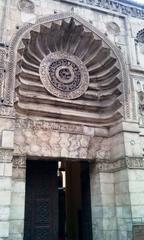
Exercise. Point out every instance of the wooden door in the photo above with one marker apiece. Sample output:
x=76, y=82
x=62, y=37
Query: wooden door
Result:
x=41, y=204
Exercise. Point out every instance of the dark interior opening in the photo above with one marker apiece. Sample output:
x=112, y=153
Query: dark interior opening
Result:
x=57, y=203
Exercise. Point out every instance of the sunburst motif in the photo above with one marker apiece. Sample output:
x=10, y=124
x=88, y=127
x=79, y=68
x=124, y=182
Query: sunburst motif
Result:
x=87, y=88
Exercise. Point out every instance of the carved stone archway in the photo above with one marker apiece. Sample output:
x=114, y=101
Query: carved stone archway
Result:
x=65, y=69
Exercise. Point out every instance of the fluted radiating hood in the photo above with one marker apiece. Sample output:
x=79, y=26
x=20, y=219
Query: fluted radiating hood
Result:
x=65, y=71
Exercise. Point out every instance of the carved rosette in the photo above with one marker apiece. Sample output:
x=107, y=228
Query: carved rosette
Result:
x=64, y=76
x=66, y=71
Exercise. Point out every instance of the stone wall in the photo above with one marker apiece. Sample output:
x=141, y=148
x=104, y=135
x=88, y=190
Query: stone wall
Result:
x=116, y=154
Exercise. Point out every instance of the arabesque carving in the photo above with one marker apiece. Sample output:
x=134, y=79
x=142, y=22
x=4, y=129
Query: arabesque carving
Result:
x=19, y=162
x=6, y=155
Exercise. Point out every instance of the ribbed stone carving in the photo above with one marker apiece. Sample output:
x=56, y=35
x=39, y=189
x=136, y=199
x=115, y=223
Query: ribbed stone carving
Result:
x=67, y=71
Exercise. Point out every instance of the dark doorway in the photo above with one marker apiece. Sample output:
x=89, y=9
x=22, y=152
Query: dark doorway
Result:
x=41, y=205
x=58, y=205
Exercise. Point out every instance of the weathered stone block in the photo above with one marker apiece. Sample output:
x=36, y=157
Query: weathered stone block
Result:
x=137, y=198
x=19, y=173
x=4, y=213
x=109, y=224
x=138, y=211
x=136, y=174
x=121, y=176
x=8, y=169
x=18, y=186
x=109, y=212
x=110, y=235
x=1, y=169
x=122, y=199
x=123, y=212
x=106, y=178
x=136, y=186
x=5, y=183
x=108, y=199
x=107, y=188
x=5, y=198
x=16, y=226
x=18, y=199
x=17, y=212
x=7, y=139
x=121, y=187
x=16, y=237
x=4, y=229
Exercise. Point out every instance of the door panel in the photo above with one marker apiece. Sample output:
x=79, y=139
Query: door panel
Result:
x=41, y=205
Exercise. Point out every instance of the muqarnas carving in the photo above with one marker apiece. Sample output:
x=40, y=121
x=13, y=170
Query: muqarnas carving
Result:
x=66, y=71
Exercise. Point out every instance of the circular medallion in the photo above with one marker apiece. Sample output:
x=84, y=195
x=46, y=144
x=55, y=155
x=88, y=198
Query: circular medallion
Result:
x=64, y=75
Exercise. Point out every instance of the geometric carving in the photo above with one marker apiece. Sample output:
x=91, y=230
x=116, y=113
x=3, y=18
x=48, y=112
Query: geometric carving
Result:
x=63, y=60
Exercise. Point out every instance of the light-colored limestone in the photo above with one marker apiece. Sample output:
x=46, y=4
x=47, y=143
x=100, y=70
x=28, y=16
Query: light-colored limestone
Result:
x=7, y=139
x=4, y=229
x=5, y=198
x=117, y=199
x=8, y=169
x=4, y=213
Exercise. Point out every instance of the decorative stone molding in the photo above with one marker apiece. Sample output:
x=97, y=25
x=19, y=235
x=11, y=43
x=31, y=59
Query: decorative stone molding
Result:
x=19, y=162
x=125, y=8
x=114, y=166
x=106, y=99
x=110, y=166
x=45, y=125
x=6, y=111
x=2, y=74
x=6, y=155
x=135, y=162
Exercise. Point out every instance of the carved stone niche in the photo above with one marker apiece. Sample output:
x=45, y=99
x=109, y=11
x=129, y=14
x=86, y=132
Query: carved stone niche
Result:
x=140, y=40
x=141, y=103
x=66, y=70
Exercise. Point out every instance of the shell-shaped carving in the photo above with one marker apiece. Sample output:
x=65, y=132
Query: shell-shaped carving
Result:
x=68, y=72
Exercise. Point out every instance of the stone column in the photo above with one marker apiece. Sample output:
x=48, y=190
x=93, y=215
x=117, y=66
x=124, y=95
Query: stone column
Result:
x=123, y=205
x=5, y=191
x=136, y=190
x=17, y=198
x=6, y=154
x=103, y=205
